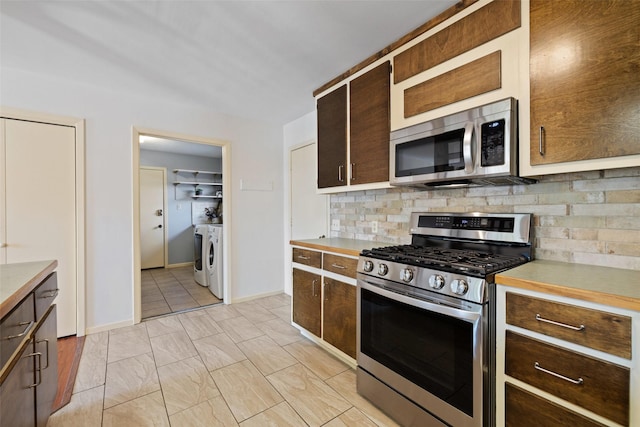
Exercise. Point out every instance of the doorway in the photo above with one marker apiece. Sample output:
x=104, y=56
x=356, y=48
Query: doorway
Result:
x=186, y=161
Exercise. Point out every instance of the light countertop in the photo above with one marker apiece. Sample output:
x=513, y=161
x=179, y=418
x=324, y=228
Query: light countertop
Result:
x=18, y=280
x=351, y=247
x=604, y=285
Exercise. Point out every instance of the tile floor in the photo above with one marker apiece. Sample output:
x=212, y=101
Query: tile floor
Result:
x=226, y=365
x=170, y=290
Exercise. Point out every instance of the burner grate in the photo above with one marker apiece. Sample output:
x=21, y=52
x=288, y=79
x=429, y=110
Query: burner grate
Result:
x=459, y=260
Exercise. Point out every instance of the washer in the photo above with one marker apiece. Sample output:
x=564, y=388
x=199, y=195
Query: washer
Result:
x=214, y=261
x=200, y=238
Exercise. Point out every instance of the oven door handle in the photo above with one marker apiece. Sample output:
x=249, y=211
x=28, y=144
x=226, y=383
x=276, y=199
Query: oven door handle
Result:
x=433, y=306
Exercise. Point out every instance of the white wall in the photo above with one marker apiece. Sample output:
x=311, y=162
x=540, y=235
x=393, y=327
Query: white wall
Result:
x=256, y=223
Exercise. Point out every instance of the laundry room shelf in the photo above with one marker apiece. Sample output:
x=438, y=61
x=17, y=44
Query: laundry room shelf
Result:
x=212, y=182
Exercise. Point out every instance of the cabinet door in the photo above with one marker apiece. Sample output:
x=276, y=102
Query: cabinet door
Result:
x=370, y=126
x=585, y=84
x=17, y=398
x=40, y=191
x=332, y=138
x=339, y=327
x=47, y=372
x=307, y=300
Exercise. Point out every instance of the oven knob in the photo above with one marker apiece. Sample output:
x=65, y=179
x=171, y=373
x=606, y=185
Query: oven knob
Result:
x=368, y=266
x=382, y=269
x=406, y=275
x=459, y=287
x=436, y=281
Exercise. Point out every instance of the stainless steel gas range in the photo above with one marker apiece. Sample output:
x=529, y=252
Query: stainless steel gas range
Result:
x=426, y=317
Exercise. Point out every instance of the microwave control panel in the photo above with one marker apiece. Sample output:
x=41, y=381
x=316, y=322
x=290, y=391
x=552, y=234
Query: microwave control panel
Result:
x=492, y=143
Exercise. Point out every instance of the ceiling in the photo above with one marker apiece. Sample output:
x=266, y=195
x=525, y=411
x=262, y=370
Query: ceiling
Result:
x=251, y=59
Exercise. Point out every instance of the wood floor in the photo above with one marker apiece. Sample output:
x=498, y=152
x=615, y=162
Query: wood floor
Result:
x=69, y=352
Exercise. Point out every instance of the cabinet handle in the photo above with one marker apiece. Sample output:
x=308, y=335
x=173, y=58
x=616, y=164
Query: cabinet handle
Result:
x=541, y=141
x=313, y=287
x=47, y=347
x=351, y=169
x=304, y=257
x=334, y=265
x=39, y=370
x=340, y=179
x=579, y=381
x=564, y=325
x=50, y=294
x=29, y=325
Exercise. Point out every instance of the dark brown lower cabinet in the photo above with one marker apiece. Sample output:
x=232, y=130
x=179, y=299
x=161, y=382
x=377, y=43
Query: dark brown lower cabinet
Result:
x=597, y=385
x=46, y=345
x=307, y=300
x=339, y=324
x=29, y=373
x=524, y=409
x=16, y=392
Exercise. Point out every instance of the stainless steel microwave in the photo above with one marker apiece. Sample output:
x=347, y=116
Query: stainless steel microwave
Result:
x=475, y=147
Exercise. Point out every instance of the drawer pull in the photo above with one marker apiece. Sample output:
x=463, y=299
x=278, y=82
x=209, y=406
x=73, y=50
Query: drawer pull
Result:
x=304, y=257
x=579, y=381
x=29, y=325
x=313, y=287
x=334, y=265
x=39, y=370
x=564, y=325
x=50, y=294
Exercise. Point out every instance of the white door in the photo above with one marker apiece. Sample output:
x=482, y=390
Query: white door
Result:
x=152, y=226
x=309, y=211
x=40, y=205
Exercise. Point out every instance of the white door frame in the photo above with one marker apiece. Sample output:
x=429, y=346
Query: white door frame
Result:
x=165, y=211
x=78, y=124
x=226, y=208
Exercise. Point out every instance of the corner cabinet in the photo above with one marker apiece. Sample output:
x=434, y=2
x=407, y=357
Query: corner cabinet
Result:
x=209, y=187
x=324, y=299
x=353, y=132
x=585, y=86
x=29, y=373
x=562, y=361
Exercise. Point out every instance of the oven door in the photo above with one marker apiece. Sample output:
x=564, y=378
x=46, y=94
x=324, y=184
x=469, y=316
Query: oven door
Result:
x=428, y=351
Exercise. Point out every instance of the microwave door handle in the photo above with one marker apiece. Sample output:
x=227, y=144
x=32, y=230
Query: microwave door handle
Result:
x=467, y=152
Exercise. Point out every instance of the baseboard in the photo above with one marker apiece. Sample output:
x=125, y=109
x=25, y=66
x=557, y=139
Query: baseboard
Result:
x=108, y=327
x=258, y=296
x=180, y=264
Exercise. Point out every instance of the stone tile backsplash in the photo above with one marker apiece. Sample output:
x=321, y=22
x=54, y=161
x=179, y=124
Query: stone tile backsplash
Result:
x=586, y=217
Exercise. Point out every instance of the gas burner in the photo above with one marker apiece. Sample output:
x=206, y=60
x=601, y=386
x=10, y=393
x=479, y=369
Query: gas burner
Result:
x=471, y=262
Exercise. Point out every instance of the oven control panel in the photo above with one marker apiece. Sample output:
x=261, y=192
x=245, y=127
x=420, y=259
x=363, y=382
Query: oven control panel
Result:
x=444, y=283
x=485, y=223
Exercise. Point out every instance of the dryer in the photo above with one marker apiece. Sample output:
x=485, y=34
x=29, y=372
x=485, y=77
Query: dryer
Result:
x=200, y=239
x=214, y=261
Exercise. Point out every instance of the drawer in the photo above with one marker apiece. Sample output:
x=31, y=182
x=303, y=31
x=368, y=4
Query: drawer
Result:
x=340, y=265
x=524, y=409
x=15, y=326
x=596, y=329
x=599, y=386
x=307, y=257
x=45, y=293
